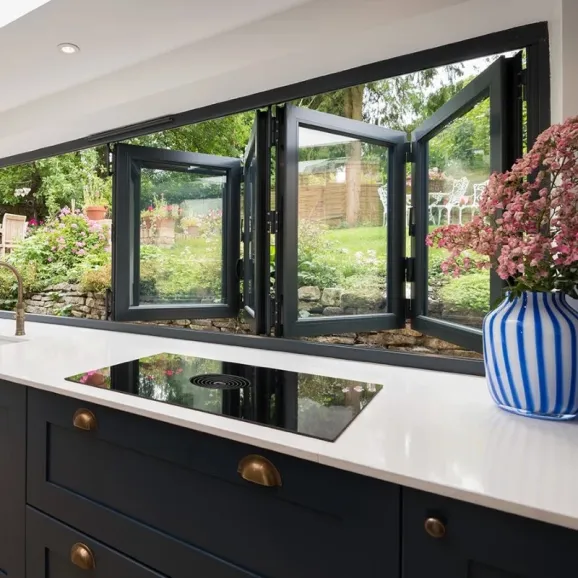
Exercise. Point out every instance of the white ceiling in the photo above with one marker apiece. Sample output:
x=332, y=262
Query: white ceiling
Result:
x=11, y=10
x=141, y=59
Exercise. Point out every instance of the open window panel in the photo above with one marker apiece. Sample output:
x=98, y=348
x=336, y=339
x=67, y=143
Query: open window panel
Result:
x=256, y=235
x=475, y=133
x=153, y=239
x=343, y=190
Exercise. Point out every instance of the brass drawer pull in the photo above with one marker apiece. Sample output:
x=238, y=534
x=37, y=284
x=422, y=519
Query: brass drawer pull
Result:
x=259, y=470
x=82, y=556
x=435, y=528
x=84, y=419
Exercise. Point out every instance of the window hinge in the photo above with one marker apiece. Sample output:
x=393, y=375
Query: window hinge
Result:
x=273, y=313
x=408, y=149
x=273, y=222
x=109, y=303
x=411, y=223
x=408, y=308
x=110, y=159
x=522, y=84
x=409, y=269
x=274, y=131
x=240, y=269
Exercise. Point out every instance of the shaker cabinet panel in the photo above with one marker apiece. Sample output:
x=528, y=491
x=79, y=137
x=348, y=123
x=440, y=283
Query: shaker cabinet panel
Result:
x=207, y=493
x=12, y=478
x=53, y=550
x=453, y=539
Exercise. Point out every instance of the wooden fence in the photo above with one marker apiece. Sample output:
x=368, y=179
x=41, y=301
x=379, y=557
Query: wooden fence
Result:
x=327, y=203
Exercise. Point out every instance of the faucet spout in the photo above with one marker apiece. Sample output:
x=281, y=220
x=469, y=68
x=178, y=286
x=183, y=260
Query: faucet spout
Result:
x=20, y=302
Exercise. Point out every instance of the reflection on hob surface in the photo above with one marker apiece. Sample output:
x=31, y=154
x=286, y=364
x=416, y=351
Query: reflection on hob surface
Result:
x=312, y=405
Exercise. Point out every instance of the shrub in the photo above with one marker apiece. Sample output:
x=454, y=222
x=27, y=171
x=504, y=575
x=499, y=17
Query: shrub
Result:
x=9, y=285
x=62, y=249
x=361, y=264
x=211, y=224
x=182, y=272
x=97, y=280
x=470, y=293
x=315, y=257
x=364, y=283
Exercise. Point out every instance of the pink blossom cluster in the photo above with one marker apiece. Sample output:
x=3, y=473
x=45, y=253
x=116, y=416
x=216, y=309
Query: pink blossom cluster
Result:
x=527, y=227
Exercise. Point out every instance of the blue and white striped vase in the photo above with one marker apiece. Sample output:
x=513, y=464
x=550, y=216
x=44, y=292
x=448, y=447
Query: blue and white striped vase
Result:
x=530, y=354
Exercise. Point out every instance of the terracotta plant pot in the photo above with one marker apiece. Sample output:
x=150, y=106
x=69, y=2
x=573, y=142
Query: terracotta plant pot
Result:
x=95, y=213
x=193, y=231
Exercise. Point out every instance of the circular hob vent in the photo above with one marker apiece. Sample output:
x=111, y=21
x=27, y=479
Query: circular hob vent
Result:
x=220, y=381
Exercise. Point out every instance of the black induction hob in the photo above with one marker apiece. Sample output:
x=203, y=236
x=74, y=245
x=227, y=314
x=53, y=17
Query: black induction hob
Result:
x=303, y=403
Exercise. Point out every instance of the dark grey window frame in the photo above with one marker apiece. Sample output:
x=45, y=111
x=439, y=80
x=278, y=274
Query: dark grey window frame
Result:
x=256, y=226
x=394, y=141
x=505, y=147
x=533, y=37
x=128, y=160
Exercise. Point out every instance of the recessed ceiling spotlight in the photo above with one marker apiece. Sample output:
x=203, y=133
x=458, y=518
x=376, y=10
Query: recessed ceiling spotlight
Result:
x=67, y=48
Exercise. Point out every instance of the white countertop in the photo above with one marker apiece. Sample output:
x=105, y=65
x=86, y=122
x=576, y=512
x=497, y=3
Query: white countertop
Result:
x=433, y=431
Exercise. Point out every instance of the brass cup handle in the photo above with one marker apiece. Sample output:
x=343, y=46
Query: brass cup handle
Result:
x=259, y=470
x=81, y=555
x=435, y=528
x=84, y=419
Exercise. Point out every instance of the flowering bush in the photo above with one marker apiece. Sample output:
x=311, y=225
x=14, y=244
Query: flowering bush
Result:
x=211, y=224
x=62, y=248
x=160, y=210
x=527, y=229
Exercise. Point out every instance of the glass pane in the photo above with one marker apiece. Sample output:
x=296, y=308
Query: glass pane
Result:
x=181, y=240
x=459, y=168
x=342, y=225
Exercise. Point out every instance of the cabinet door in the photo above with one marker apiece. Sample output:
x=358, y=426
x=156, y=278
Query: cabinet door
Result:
x=12, y=478
x=476, y=542
x=171, y=482
x=56, y=550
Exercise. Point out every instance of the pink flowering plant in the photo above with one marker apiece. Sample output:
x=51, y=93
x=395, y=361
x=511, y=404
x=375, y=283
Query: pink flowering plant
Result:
x=63, y=247
x=527, y=228
x=160, y=209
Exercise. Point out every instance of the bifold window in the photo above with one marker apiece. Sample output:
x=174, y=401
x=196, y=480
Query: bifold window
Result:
x=139, y=264
x=348, y=154
x=333, y=178
x=302, y=213
x=487, y=111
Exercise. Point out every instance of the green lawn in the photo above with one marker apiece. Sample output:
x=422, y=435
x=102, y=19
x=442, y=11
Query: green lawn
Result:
x=368, y=238
x=360, y=239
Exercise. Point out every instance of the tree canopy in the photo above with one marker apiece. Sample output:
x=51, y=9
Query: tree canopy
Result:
x=399, y=103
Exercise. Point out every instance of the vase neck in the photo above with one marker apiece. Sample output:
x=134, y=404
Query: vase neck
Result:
x=539, y=297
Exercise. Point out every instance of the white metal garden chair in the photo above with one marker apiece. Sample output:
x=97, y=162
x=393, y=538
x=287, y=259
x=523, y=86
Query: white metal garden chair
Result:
x=382, y=192
x=436, y=203
x=474, y=205
x=455, y=196
x=479, y=188
x=13, y=231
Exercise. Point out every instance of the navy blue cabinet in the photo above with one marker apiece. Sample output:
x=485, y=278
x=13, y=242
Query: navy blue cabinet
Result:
x=90, y=491
x=56, y=551
x=452, y=539
x=130, y=481
x=12, y=478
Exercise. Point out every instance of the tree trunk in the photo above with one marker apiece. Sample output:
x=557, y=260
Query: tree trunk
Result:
x=353, y=98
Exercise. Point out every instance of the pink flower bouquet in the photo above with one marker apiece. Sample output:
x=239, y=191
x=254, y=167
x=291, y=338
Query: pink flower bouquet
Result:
x=527, y=227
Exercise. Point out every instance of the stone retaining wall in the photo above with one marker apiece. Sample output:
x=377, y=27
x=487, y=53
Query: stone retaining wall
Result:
x=68, y=300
